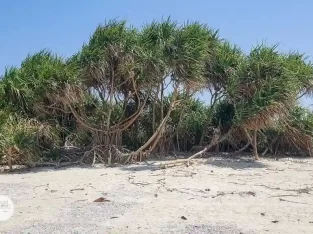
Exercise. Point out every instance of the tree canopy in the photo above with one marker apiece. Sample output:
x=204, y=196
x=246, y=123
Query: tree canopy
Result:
x=132, y=92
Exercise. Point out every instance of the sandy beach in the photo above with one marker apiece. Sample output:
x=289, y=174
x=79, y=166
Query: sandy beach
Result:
x=215, y=195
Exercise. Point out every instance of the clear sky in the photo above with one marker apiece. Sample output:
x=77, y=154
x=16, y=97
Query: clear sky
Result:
x=63, y=25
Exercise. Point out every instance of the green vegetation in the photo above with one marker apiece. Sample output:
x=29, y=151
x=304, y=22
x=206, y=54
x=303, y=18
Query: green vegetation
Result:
x=132, y=92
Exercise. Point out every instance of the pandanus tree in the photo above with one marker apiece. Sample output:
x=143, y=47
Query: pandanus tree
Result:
x=197, y=47
x=184, y=52
x=261, y=91
x=25, y=141
x=117, y=70
x=31, y=89
x=217, y=74
x=131, y=92
x=294, y=134
x=28, y=102
x=121, y=62
x=294, y=137
x=265, y=88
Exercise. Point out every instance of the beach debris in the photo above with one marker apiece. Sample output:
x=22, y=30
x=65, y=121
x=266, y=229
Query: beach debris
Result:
x=101, y=199
x=76, y=189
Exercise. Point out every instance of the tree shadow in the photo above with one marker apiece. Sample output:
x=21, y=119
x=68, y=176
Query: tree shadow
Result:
x=223, y=160
x=236, y=163
x=140, y=167
x=28, y=170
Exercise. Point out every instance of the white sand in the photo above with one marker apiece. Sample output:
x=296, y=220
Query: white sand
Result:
x=215, y=196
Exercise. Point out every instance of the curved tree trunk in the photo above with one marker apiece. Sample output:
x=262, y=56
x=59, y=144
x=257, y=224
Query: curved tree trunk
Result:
x=243, y=148
x=153, y=140
x=156, y=136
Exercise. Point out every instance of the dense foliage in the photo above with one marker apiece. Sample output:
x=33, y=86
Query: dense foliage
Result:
x=129, y=93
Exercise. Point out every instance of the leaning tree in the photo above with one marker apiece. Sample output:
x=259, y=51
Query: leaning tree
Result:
x=261, y=91
x=264, y=88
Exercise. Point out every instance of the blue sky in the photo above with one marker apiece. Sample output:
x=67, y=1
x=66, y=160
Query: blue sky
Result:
x=62, y=26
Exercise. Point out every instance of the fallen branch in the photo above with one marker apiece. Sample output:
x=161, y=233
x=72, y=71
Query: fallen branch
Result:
x=293, y=201
x=269, y=187
x=306, y=190
x=286, y=195
x=216, y=139
x=131, y=180
x=234, y=193
x=185, y=192
x=40, y=186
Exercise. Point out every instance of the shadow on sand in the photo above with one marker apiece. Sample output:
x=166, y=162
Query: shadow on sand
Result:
x=235, y=163
x=222, y=160
x=26, y=169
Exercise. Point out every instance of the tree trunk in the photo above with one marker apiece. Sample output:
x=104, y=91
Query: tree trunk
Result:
x=214, y=99
x=243, y=148
x=153, y=140
x=162, y=94
x=182, y=112
x=177, y=141
x=202, y=137
x=270, y=146
x=9, y=156
x=153, y=109
x=217, y=148
x=110, y=102
x=255, y=146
